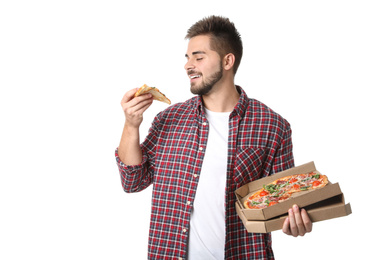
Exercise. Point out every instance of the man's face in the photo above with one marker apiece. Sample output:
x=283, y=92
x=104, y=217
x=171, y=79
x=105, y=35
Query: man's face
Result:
x=204, y=66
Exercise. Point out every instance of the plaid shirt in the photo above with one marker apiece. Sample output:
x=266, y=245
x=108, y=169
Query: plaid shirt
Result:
x=259, y=145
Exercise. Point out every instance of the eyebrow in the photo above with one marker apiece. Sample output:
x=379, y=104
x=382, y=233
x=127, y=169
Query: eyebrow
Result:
x=196, y=52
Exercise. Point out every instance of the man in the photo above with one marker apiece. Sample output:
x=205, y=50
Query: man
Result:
x=199, y=151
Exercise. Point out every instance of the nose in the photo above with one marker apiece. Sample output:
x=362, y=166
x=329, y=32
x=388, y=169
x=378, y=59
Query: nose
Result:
x=189, y=65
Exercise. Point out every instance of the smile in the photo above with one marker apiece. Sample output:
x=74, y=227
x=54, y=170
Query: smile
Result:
x=193, y=75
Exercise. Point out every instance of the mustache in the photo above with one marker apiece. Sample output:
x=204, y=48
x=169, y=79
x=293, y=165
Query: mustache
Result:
x=193, y=72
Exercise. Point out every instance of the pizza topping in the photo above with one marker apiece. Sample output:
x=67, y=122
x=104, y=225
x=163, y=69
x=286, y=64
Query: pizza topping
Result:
x=316, y=183
x=271, y=188
x=282, y=189
x=263, y=193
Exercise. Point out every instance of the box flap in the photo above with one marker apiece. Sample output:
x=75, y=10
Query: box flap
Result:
x=327, y=209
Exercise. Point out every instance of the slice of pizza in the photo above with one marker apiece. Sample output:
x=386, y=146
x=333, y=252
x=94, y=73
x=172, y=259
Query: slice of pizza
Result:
x=157, y=95
x=281, y=189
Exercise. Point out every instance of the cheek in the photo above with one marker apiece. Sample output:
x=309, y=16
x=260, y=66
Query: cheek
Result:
x=209, y=70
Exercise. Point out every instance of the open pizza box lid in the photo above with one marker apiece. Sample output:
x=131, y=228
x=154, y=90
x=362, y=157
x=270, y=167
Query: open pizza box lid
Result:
x=327, y=209
x=302, y=198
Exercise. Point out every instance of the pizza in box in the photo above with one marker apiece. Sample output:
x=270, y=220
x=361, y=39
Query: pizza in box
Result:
x=282, y=189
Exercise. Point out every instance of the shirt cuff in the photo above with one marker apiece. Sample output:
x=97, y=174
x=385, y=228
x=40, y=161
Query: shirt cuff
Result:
x=126, y=167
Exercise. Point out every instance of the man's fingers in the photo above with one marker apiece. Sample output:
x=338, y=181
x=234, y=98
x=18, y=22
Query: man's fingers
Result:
x=286, y=226
x=130, y=103
x=293, y=224
x=138, y=109
x=134, y=107
x=306, y=221
x=298, y=221
x=128, y=95
x=301, y=223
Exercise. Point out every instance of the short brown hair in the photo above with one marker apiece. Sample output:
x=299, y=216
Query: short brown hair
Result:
x=223, y=34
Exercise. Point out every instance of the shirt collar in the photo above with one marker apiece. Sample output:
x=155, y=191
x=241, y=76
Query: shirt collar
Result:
x=239, y=109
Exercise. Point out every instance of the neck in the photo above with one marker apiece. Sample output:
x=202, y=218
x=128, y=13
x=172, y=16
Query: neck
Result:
x=223, y=97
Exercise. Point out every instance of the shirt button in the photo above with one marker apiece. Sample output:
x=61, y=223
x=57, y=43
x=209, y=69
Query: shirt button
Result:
x=195, y=175
x=201, y=148
x=180, y=258
x=188, y=202
x=184, y=230
x=204, y=123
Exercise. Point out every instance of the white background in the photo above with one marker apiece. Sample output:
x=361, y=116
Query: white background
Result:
x=65, y=65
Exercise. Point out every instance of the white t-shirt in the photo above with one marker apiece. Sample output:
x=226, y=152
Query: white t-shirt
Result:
x=207, y=225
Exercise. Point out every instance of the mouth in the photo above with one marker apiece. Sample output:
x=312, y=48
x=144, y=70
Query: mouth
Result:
x=194, y=77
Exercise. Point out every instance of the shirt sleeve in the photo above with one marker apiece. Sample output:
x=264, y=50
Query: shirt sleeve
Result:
x=284, y=158
x=135, y=178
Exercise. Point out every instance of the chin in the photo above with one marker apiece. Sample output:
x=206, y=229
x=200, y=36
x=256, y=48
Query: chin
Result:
x=207, y=84
x=201, y=90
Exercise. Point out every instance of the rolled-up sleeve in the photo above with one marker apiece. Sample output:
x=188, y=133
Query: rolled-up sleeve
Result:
x=136, y=178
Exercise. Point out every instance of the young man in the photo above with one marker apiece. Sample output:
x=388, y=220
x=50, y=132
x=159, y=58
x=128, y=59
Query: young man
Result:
x=199, y=151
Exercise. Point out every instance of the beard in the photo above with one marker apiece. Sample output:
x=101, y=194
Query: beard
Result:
x=207, y=84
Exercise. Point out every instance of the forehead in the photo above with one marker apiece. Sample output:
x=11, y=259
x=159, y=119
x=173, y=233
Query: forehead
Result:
x=199, y=43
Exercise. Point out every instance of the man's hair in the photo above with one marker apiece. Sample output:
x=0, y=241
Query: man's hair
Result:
x=224, y=37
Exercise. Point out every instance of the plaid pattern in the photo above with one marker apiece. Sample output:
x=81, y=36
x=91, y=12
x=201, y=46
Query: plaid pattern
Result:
x=259, y=145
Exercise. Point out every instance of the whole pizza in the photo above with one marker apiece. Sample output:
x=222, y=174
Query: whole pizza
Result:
x=282, y=189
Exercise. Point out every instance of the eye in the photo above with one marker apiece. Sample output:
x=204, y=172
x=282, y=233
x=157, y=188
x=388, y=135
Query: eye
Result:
x=199, y=59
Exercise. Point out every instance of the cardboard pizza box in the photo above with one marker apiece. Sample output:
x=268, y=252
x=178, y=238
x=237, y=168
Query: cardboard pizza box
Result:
x=327, y=209
x=302, y=198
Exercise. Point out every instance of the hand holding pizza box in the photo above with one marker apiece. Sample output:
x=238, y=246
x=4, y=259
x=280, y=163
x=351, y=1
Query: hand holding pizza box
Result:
x=263, y=204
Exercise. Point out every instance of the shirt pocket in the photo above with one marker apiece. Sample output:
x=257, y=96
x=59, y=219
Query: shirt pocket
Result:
x=248, y=165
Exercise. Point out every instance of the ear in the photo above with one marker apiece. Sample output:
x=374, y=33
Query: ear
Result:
x=228, y=61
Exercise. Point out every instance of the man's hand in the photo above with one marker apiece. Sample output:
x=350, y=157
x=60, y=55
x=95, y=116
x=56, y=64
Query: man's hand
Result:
x=129, y=150
x=297, y=223
x=134, y=107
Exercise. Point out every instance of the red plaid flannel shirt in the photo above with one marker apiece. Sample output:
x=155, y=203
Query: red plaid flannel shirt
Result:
x=259, y=145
